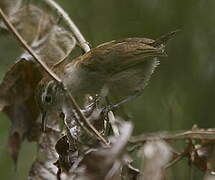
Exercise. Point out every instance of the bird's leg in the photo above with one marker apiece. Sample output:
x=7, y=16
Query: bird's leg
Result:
x=71, y=108
x=107, y=112
x=93, y=104
x=111, y=107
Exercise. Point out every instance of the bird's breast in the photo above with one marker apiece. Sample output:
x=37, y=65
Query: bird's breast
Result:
x=82, y=81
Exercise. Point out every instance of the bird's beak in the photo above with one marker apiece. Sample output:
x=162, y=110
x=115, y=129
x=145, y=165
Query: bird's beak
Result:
x=44, y=121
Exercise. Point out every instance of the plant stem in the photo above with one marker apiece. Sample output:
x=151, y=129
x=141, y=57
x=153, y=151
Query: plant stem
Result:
x=83, y=43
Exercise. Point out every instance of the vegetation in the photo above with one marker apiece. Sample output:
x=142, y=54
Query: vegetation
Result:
x=154, y=144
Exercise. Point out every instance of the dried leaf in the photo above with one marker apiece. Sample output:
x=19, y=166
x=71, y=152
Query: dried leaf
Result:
x=44, y=167
x=42, y=171
x=18, y=87
x=202, y=155
x=31, y=22
x=14, y=144
x=17, y=101
x=53, y=47
x=109, y=161
x=11, y=6
x=155, y=156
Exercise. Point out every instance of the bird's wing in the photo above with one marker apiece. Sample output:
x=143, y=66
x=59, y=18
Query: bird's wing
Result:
x=118, y=55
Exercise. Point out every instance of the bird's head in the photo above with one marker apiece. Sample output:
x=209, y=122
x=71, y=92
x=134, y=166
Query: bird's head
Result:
x=48, y=98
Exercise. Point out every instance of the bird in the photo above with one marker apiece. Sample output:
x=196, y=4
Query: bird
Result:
x=120, y=69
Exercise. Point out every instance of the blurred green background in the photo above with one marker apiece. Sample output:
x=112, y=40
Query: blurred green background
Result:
x=181, y=91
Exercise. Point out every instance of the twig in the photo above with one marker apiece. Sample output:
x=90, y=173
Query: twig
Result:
x=194, y=134
x=83, y=43
x=54, y=76
x=173, y=162
x=191, y=172
x=82, y=116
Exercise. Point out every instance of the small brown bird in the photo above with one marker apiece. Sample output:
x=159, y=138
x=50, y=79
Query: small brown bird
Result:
x=119, y=69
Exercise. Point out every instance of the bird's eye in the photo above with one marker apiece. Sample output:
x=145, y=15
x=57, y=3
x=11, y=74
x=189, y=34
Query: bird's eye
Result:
x=48, y=99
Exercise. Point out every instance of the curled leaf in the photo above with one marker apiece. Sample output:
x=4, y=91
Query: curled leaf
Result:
x=17, y=101
x=11, y=6
x=53, y=47
x=31, y=22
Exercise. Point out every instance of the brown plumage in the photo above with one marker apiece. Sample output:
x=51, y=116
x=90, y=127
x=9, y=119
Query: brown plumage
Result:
x=118, y=68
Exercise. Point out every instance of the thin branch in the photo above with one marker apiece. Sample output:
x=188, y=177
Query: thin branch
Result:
x=173, y=162
x=194, y=134
x=54, y=76
x=191, y=172
x=82, y=116
x=83, y=43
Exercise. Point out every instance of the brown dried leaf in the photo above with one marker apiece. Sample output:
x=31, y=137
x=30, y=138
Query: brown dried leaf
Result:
x=31, y=22
x=109, y=161
x=155, y=155
x=41, y=170
x=17, y=101
x=54, y=46
x=10, y=6
x=44, y=167
x=18, y=86
x=202, y=155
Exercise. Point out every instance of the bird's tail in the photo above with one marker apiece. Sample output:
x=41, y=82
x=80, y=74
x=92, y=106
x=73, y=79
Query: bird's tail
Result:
x=165, y=38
